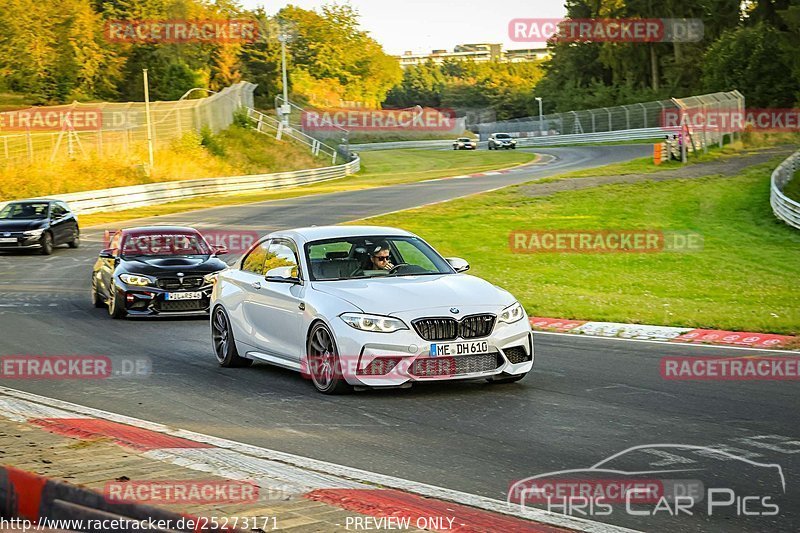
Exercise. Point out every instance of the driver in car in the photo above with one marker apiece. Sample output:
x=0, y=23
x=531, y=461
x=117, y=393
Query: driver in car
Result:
x=379, y=257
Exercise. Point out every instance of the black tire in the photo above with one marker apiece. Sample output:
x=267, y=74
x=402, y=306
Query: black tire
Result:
x=76, y=239
x=324, y=365
x=116, y=306
x=46, y=243
x=505, y=378
x=222, y=340
x=97, y=300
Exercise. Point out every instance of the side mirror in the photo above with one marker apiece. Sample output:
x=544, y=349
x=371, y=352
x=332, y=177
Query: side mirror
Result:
x=108, y=253
x=219, y=250
x=284, y=274
x=458, y=264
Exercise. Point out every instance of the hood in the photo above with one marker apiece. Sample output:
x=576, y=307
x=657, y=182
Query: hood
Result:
x=385, y=296
x=21, y=225
x=154, y=266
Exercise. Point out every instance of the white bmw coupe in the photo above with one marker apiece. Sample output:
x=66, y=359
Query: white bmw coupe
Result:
x=366, y=307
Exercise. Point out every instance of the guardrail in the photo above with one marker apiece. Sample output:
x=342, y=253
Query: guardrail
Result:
x=120, y=198
x=784, y=207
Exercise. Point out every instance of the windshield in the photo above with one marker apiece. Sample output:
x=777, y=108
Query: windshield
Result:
x=502, y=136
x=370, y=257
x=164, y=244
x=464, y=140
x=25, y=211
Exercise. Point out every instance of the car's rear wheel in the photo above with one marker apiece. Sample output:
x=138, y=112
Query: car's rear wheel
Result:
x=224, y=345
x=324, y=364
x=116, y=305
x=97, y=300
x=46, y=243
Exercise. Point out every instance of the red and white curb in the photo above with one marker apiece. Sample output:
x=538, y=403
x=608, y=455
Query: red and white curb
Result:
x=342, y=486
x=664, y=333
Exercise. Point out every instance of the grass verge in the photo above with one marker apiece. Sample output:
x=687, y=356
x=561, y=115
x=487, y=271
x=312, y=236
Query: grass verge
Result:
x=377, y=169
x=744, y=278
x=232, y=152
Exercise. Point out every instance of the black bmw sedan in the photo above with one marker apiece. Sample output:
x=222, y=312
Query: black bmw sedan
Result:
x=156, y=270
x=42, y=224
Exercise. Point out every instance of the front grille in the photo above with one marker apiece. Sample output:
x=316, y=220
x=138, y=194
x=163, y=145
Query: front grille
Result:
x=437, y=329
x=448, y=329
x=517, y=355
x=189, y=282
x=183, y=305
x=476, y=326
x=455, y=366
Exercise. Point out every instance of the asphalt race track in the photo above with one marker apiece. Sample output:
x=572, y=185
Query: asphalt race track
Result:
x=585, y=400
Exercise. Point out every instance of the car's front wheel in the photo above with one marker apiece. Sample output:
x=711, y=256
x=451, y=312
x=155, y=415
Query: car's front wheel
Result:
x=116, y=305
x=76, y=240
x=324, y=364
x=46, y=243
x=224, y=345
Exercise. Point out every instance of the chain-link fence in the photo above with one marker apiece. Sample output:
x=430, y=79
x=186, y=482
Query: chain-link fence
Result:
x=81, y=129
x=658, y=114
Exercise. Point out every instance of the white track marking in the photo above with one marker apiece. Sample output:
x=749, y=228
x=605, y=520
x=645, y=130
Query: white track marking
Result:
x=331, y=469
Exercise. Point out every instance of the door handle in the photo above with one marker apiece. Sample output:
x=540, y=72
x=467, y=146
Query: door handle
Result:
x=256, y=285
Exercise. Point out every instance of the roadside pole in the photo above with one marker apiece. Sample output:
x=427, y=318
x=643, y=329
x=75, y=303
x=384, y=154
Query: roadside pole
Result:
x=147, y=118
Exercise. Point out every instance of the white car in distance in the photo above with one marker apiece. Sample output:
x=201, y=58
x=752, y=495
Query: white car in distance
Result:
x=323, y=301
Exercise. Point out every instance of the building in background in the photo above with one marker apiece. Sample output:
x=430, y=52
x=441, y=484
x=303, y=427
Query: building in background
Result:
x=477, y=52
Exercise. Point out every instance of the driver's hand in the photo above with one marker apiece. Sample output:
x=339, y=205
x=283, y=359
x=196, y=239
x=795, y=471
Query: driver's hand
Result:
x=388, y=266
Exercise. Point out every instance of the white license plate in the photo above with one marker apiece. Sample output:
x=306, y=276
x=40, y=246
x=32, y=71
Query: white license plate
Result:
x=183, y=296
x=459, y=348
x=8, y=239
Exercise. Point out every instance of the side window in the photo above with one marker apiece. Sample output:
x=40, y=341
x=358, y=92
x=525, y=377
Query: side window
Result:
x=281, y=254
x=254, y=261
x=63, y=206
x=57, y=211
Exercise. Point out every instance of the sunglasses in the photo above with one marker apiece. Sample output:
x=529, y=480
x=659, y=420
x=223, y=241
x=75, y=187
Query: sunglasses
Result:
x=382, y=257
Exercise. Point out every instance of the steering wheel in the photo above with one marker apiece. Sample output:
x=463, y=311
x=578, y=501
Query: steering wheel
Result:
x=396, y=268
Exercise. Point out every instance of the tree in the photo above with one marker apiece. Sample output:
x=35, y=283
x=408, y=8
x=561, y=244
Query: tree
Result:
x=754, y=61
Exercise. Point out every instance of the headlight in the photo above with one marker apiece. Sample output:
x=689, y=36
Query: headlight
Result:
x=135, y=279
x=33, y=232
x=208, y=279
x=512, y=313
x=378, y=324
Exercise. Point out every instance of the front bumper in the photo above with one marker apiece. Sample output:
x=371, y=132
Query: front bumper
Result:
x=151, y=301
x=22, y=242
x=403, y=356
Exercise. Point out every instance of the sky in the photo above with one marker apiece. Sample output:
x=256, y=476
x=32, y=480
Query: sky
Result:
x=425, y=25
